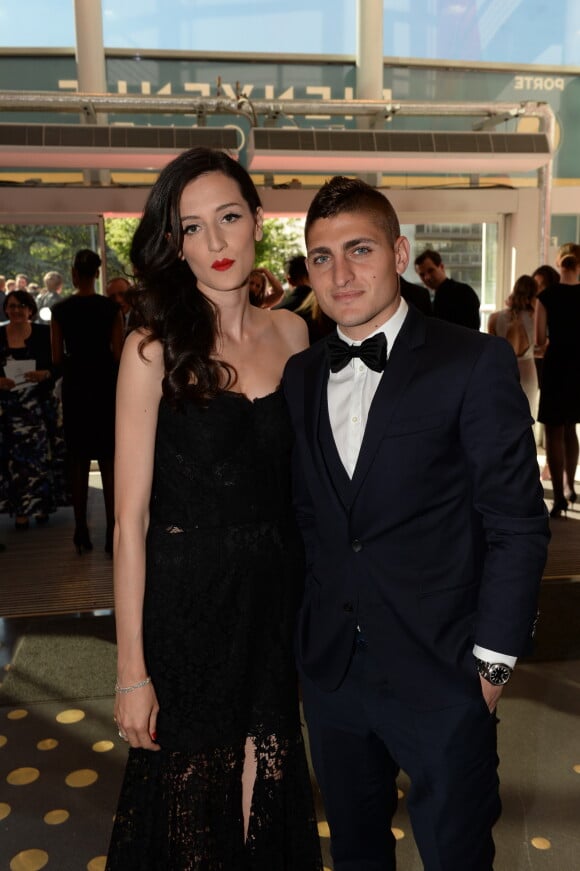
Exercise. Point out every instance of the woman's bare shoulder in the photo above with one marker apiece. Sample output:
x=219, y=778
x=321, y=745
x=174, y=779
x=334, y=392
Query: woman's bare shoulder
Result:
x=292, y=327
x=139, y=344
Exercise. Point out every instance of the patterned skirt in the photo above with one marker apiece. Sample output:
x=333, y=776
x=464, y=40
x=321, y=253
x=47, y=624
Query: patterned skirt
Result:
x=32, y=452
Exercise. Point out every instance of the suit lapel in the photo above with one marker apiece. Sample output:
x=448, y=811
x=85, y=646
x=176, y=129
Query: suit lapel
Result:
x=317, y=426
x=398, y=373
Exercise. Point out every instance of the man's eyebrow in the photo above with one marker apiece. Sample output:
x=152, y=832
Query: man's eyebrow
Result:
x=320, y=249
x=350, y=243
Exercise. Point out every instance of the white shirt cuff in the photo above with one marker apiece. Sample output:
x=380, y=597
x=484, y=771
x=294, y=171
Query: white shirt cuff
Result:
x=492, y=656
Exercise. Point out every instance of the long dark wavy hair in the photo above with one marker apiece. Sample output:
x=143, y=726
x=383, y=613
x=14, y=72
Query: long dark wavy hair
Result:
x=166, y=298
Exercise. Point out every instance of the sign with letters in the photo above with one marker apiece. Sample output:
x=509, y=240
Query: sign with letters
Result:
x=266, y=80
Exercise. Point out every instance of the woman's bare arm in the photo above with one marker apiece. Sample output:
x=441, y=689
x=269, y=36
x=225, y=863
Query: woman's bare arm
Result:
x=138, y=395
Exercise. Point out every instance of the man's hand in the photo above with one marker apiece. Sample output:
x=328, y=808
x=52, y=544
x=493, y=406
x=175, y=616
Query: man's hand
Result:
x=490, y=694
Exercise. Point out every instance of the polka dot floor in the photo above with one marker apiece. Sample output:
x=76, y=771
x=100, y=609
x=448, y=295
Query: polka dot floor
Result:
x=61, y=772
x=61, y=762
x=61, y=767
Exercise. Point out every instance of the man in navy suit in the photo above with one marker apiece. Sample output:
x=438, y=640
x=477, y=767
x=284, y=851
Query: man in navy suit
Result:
x=418, y=496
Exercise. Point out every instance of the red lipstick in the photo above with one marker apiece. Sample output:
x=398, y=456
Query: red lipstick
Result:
x=222, y=265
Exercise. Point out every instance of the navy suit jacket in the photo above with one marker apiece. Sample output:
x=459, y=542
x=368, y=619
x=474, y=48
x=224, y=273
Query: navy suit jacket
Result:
x=439, y=540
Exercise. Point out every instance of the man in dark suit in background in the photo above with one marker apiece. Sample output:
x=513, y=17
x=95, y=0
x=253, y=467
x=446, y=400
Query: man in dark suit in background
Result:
x=453, y=301
x=297, y=277
x=418, y=495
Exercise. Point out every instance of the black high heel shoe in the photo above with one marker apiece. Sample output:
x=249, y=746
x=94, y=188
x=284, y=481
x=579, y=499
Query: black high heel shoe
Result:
x=81, y=540
x=559, y=506
x=572, y=497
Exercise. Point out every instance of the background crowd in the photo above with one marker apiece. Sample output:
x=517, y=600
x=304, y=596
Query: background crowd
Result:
x=58, y=415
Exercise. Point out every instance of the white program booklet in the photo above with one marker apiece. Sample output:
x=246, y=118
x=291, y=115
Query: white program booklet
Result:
x=16, y=369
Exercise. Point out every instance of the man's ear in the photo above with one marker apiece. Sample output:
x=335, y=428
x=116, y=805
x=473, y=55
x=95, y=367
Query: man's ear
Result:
x=259, y=228
x=402, y=254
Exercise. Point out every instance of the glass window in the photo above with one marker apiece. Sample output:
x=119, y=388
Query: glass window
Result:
x=514, y=32
x=302, y=27
x=519, y=31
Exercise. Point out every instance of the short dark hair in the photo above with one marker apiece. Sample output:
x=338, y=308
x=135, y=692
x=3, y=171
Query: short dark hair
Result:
x=23, y=297
x=86, y=262
x=296, y=268
x=429, y=254
x=341, y=194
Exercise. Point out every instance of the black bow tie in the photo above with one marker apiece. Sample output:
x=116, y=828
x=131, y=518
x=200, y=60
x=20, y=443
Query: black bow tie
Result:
x=373, y=352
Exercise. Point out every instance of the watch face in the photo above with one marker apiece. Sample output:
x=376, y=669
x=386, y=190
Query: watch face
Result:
x=499, y=674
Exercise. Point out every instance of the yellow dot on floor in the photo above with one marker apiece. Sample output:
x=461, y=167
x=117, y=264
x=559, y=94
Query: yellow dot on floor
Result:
x=17, y=714
x=72, y=715
x=82, y=777
x=23, y=776
x=398, y=833
x=541, y=843
x=29, y=860
x=323, y=829
x=5, y=810
x=97, y=864
x=400, y=793
x=576, y=768
x=55, y=818
x=3, y=740
x=47, y=744
x=103, y=746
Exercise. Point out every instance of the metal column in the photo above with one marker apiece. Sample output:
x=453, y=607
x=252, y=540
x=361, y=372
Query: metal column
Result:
x=369, y=63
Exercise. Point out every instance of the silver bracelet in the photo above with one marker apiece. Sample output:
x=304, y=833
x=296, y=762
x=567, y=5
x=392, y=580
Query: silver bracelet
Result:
x=133, y=687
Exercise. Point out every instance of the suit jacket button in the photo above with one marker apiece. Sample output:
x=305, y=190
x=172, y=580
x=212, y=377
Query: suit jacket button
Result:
x=348, y=607
x=356, y=546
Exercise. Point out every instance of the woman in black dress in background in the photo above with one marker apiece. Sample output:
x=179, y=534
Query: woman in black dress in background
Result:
x=87, y=338
x=557, y=320
x=208, y=560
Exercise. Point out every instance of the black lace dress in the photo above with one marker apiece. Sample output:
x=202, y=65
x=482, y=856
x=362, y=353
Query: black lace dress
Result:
x=224, y=570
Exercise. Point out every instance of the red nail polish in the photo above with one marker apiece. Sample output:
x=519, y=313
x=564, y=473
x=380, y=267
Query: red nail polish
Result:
x=154, y=736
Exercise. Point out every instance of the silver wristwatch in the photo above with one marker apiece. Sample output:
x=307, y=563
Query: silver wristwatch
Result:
x=497, y=673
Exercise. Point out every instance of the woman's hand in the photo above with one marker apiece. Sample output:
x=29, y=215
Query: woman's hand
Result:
x=136, y=717
x=7, y=383
x=37, y=375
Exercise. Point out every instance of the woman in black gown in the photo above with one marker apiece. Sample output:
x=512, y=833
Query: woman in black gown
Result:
x=557, y=319
x=208, y=560
x=87, y=337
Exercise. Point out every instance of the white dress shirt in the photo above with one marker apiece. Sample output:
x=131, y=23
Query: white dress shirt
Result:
x=350, y=394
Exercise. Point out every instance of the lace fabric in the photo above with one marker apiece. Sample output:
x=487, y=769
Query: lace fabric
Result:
x=190, y=806
x=224, y=570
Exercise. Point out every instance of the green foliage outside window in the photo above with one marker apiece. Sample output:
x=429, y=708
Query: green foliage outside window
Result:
x=35, y=249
